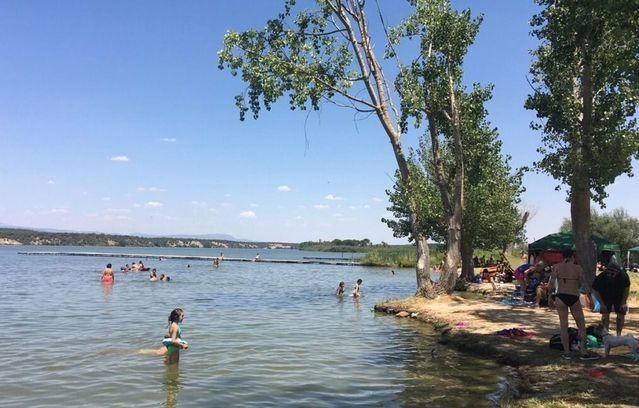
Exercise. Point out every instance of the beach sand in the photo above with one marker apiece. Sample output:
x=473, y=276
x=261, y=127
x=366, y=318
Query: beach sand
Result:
x=469, y=322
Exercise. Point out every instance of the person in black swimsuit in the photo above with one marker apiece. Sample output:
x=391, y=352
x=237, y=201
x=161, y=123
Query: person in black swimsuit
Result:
x=567, y=278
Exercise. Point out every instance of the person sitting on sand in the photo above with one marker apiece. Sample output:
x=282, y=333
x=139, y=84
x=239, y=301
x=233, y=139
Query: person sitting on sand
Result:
x=173, y=342
x=153, y=277
x=356, y=288
x=340, y=289
x=567, y=277
x=107, y=275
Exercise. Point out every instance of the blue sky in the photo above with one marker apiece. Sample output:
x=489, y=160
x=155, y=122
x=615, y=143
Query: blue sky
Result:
x=115, y=118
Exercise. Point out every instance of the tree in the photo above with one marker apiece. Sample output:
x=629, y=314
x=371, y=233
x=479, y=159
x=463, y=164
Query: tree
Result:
x=585, y=79
x=617, y=226
x=327, y=54
x=491, y=219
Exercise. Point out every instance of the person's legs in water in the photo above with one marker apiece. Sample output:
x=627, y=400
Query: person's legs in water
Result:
x=172, y=354
x=562, y=311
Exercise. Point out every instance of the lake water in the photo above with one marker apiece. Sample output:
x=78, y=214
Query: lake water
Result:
x=260, y=334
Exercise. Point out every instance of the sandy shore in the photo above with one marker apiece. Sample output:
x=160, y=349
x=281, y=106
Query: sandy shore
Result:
x=469, y=322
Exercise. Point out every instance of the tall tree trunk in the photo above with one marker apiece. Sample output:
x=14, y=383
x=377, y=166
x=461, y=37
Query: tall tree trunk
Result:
x=456, y=209
x=580, y=187
x=377, y=89
x=422, y=269
x=580, y=216
x=468, y=267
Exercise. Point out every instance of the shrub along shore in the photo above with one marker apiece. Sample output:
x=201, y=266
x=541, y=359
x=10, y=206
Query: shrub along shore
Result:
x=469, y=321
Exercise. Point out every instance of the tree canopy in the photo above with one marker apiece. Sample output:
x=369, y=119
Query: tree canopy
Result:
x=616, y=226
x=585, y=77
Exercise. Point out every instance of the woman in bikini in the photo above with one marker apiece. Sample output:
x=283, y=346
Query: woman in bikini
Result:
x=567, y=277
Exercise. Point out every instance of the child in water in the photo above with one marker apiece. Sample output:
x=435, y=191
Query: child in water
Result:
x=340, y=289
x=173, y=342
x=153, y=277
x=356, y=288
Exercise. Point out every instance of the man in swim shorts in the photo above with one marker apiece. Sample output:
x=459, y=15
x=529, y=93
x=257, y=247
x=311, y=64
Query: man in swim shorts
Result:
x=612, y=287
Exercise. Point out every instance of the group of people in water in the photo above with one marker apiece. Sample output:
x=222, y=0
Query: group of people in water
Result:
x=108, y=277
x=356, y=289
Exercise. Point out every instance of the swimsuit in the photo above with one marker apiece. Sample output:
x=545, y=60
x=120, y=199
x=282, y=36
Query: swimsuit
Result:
x=568, y=299
x=171, y=348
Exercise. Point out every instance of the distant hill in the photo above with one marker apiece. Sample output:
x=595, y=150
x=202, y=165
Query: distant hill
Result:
x=222, y=237
x=20, y=236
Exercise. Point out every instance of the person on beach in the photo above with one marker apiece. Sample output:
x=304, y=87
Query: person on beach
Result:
x=612, y=287
x=153, y=277
x=173, y=342
x=567, y=277
x=356, y=288
x=107, y=275
x=340, y=289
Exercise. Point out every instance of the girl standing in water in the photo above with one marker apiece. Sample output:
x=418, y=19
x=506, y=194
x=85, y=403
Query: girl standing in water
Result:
x=173, y=342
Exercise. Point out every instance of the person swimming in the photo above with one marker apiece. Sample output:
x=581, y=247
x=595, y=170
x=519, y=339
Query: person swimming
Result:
x=173, y=342
x=340, y=289
x=153, y=277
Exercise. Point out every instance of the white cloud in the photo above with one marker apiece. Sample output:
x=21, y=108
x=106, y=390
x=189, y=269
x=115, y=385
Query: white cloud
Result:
x=367, y=206
x=117, y=211
x=213, y=210
x=137, y=205
x=169, y=139
x=140, y=189
x=320, y=206
x=298, y=217
x=227, y=195
x=199, y=203
x=284, y=189
x=119, y=158
x=376, y=199
x=153, y=204
x=106, y=198
x=50, y=182
x=248, y=214
x=338, y=215
x=225, y=204
x=254, y=205
x=59, y=211
x=156, y=190
x=333, y=198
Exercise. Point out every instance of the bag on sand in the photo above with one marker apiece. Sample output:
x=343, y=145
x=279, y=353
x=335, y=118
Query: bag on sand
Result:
x=573, y=339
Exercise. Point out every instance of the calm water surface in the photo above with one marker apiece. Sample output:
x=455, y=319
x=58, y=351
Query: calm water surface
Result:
x=259, y=334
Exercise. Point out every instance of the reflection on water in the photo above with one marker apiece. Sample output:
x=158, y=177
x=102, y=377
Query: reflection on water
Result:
x=259, y=335
x=172, y=384
x=107, y=290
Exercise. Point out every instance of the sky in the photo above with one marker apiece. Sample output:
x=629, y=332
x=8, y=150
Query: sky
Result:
x=115, y=118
